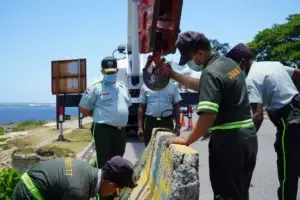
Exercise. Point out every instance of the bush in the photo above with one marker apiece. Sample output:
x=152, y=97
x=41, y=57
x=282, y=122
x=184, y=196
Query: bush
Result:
x=8, y=181
x=2, y=130
x=28, y=125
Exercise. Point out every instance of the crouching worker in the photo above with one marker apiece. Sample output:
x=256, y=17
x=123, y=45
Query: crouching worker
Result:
x=71, y=179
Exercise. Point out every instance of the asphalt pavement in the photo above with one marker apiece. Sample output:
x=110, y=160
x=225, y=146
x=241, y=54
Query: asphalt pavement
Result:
x=265, y=182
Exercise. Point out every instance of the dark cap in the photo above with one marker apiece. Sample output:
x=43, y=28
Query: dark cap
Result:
x=239, y=52
x=119, y=171
x=189, y=42
x=109, y=64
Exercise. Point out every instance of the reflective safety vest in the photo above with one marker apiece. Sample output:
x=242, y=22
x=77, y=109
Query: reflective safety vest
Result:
x=31, y=187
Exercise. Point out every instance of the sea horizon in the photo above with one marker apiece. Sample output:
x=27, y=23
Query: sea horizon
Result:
x=19, y=112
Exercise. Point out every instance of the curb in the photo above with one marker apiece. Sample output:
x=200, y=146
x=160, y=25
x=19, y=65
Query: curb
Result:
x=82, y=155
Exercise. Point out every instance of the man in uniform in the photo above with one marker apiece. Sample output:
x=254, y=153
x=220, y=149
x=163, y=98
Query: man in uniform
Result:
x=160, y=107
x=107, y=101
x=270, y=86
x=224, y=108
x=71, y=179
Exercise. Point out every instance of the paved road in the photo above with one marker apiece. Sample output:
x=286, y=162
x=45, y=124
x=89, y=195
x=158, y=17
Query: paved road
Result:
x=265, y=176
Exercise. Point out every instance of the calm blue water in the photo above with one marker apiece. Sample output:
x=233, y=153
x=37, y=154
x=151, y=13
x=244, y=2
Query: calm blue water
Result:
x=19, y=114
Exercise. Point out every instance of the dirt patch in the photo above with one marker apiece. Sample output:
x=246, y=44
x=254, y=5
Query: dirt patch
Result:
x=54, y=151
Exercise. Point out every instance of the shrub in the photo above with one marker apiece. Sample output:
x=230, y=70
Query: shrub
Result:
x=8, y=181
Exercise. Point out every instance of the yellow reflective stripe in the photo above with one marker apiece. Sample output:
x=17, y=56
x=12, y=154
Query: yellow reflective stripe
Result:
x=234, y=125
x=208, y=105
x=31, y=187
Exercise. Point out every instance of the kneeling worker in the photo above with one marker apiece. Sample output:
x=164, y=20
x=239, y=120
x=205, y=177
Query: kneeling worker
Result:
x=73, y=179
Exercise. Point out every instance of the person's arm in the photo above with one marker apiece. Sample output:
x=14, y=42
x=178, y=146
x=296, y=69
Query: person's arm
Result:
x=256, y=102
x=87, y=101
x=295, y=75
x=187, y=81
x=176, y=102
x=142, y=107
x=208, y=106
x=258, y=114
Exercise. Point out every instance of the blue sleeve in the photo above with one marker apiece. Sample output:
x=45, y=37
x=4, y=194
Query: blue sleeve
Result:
x=143, y=96
x=254, y=92
x=129, y=101
x=289, y=70
x=89, y=98
x=176, y=95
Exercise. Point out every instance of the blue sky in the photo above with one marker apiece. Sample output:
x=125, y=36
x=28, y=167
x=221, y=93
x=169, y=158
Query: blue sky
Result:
x=34, y=32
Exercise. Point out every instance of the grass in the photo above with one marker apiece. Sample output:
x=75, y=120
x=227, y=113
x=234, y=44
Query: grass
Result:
x=28, y=125
x=26, y=150
x=2, y=130
x=33, y=140
x=80, y=138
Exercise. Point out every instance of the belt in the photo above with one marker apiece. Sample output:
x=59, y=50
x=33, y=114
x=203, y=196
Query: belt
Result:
x=159, y=118
x=234, y=125
x=107, y=125
x=31, y=187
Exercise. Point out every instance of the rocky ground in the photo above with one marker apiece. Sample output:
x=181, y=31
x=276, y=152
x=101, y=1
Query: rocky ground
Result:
x=6, y=154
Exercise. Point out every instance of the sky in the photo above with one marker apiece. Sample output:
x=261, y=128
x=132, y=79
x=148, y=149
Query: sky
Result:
x=35, y=32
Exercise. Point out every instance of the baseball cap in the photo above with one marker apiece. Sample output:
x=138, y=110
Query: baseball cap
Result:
x=109, y=64
x=239, y=52
x=119, y=171
x=191, y=41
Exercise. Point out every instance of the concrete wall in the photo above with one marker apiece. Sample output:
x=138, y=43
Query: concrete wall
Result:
x=165, y=173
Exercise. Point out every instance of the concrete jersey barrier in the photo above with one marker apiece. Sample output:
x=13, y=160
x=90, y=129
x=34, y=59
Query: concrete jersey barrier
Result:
x=165, y=173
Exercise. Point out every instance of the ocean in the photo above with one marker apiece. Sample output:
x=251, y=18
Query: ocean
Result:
x=9, y=114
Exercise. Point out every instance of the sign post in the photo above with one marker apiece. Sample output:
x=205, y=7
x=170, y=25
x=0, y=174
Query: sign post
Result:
x=68, y=84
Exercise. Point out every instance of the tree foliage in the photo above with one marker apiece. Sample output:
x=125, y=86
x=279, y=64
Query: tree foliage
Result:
x=221, y=48
x=279, y=43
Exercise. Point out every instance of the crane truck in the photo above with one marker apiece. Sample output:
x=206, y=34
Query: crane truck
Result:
x=152, y=28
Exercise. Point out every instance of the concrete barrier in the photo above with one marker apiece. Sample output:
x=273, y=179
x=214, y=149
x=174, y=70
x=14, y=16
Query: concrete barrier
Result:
x=165, y=173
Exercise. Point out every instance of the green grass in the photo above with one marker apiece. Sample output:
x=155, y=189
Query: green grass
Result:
x=80, y=138
x=26, y=150
x=33, y=140
x=2, y=131
x=28, y=125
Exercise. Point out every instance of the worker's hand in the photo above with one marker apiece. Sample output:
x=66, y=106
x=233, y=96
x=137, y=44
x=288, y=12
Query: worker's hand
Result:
x=140, y=134
x=167, y=70
x=177, y=130
x=177, y=140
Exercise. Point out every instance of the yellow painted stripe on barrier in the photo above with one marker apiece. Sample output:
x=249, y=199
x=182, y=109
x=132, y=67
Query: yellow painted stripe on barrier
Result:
x=147, y=188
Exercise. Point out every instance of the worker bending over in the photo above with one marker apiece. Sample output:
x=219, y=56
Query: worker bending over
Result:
x=158, y=109
x=224, y=108
x=71, y=179
x=270, y=85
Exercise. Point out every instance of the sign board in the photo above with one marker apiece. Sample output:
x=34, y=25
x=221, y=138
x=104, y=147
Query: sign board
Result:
x=68, y=76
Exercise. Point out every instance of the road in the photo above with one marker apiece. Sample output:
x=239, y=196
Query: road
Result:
x=265, y=176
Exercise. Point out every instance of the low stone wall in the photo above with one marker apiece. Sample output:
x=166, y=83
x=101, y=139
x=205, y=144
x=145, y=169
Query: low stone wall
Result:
x=22, y=162
x=165, y=172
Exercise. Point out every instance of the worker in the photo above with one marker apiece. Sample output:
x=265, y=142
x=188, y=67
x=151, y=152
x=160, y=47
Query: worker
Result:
x=224, y=109
x=158, y=109
x=107, y=101
x=71, y=179
x=270, y=85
